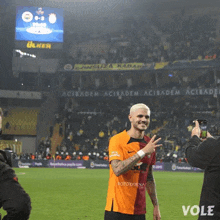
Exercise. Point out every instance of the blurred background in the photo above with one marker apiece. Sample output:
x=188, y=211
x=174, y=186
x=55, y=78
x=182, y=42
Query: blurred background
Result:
x=70, y=70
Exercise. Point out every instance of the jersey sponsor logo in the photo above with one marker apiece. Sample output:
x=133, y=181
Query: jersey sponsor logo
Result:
x=114, y=154
x=130, y=184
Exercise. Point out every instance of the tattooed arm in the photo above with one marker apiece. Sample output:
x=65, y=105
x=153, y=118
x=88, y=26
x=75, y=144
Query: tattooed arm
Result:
x=151, y=189
x=120, y=167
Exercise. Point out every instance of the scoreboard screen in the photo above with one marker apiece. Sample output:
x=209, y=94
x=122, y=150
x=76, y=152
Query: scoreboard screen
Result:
x=39, y=24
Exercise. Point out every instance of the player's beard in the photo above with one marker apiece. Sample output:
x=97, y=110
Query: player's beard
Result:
x=141, y=126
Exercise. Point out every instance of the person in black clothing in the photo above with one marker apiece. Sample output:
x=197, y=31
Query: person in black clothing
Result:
x=13, y=199
x=205, y=154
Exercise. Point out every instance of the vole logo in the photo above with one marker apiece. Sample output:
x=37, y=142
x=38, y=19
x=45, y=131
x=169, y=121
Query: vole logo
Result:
x=195, y=210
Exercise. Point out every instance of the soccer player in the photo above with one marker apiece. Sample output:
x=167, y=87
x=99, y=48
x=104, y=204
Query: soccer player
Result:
x=131, y=156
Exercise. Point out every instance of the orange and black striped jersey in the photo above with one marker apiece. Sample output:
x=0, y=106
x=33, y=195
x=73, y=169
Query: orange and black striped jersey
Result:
x=127, y=192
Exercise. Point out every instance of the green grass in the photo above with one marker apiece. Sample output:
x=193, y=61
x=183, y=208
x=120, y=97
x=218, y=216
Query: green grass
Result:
x=72, y=194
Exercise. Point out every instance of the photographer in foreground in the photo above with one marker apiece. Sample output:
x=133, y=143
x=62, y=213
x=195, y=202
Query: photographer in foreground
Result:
x=205, y=154
x=14, y=200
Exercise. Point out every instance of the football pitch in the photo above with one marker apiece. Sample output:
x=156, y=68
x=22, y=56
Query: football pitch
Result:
x=80, y=194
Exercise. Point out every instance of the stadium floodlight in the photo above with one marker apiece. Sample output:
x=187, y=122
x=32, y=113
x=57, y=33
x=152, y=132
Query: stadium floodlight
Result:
x=25, y=54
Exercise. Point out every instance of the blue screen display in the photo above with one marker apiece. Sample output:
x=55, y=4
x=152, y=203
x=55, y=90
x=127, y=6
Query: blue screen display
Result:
x=39, y=24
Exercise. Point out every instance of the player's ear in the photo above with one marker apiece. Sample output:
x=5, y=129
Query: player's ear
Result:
x=129, y=117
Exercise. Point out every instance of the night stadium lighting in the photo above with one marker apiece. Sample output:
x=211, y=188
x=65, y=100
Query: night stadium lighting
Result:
x=25, y=54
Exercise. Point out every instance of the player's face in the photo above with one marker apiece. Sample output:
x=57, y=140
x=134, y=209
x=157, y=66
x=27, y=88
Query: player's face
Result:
x=140, y=119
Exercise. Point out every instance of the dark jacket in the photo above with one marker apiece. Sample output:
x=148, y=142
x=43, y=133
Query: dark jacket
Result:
x=6, y=172
x=206, y=155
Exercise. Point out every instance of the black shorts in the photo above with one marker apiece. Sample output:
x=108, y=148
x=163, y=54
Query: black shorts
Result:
x=110, y=215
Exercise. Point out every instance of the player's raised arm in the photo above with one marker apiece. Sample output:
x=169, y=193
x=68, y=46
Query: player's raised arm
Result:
x=120, y=167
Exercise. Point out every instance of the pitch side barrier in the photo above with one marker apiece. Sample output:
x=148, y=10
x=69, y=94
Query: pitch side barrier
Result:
x=98, y=164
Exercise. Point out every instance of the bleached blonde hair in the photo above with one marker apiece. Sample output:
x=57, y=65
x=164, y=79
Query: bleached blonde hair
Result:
x=139, y=106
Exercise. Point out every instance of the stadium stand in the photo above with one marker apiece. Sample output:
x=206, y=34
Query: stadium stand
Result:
x=20, y=121
x=56, y=139
x=177, y=50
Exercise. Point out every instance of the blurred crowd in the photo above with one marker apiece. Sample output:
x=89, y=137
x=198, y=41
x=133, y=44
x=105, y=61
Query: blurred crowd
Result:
x=182, y=37
x=89, y=126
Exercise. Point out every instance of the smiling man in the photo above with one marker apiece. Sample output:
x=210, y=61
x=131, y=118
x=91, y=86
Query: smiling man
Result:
x=131, y=156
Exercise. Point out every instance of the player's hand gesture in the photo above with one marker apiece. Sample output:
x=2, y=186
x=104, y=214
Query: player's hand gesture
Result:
x=150, y=147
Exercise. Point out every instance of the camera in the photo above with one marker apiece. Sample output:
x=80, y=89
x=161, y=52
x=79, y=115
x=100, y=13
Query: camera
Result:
x=6, y=155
